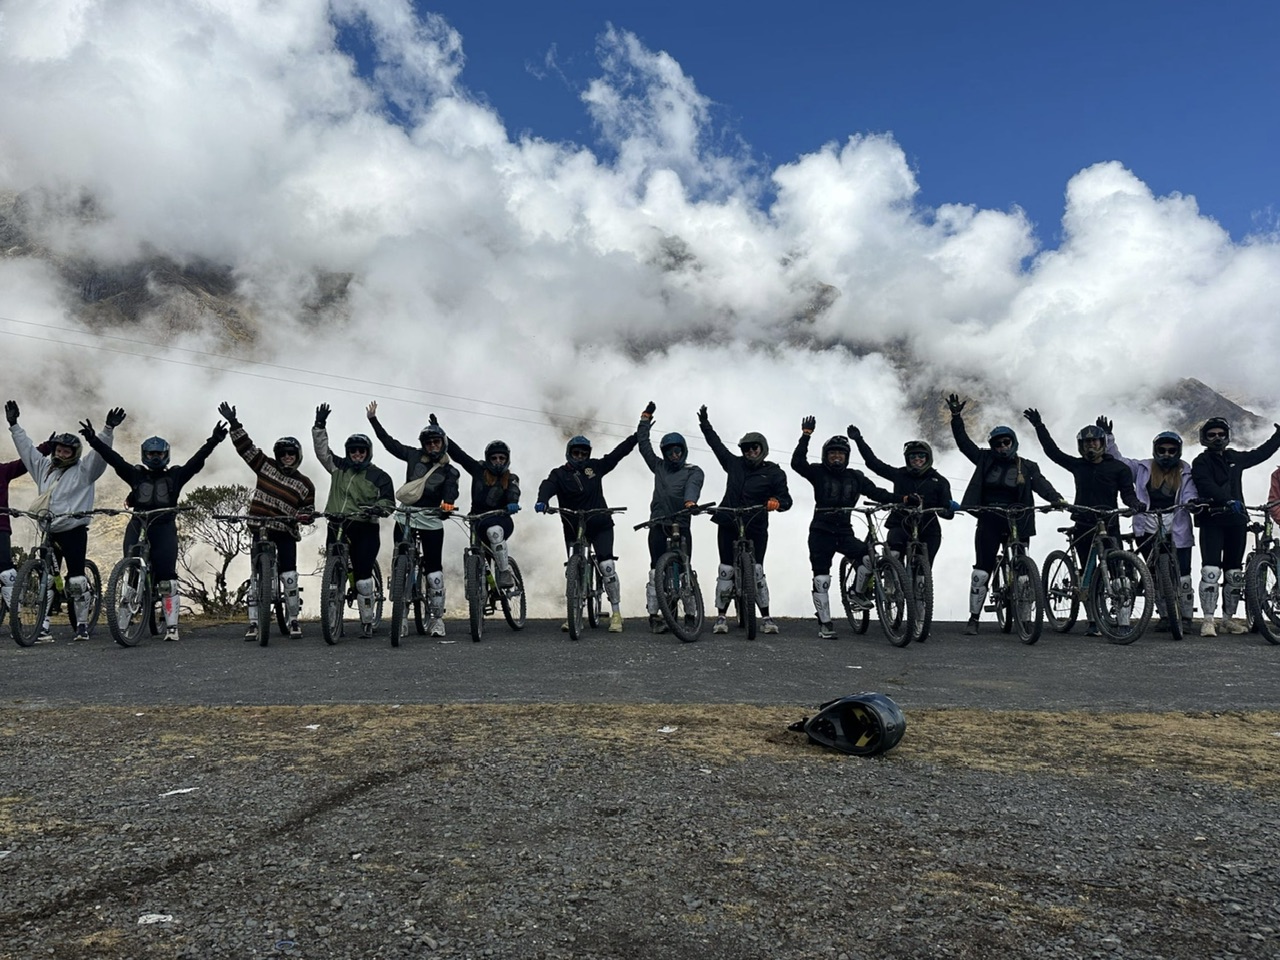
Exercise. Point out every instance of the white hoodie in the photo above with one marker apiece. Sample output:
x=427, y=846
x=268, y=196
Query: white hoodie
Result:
x=74, y=492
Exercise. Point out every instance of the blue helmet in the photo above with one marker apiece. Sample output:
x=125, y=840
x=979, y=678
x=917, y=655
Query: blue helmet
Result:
x=674, y=440
x=580, y=442
x=1004, y=453
x=155, y=453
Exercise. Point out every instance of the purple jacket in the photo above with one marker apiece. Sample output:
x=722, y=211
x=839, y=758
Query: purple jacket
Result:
x=1143, y=525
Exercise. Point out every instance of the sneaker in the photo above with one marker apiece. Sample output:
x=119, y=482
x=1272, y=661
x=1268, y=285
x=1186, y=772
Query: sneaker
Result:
x=505, y=580
x=1231, y=625
x=657, y=624
x=44, y=636
x=721, y=626
x=859, y=602
x=366, y=629
x=615, y=622
x=564, y=627
x=82, y=631
x=437, y=628
x=171, y=634
x=826, y=631
x=1092, y=630
x=1206, y=628
x=295, y=630
x=768, y=626
x=251, y=632
x=971, y=628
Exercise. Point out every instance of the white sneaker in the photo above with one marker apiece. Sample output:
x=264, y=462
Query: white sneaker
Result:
x=1231, y=625
x=366, y=629
x=1206, y=628
x=251, y=632
x=826, y=631
x=721, y=625
x=768, y=626
x=615, y=622
x=171, y=633
x=437, y=628
x=295, y=630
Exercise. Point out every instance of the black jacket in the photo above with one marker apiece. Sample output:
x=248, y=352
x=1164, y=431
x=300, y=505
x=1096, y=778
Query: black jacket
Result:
x=441, y=487
x=1098, y=484
x=1218, y=480
x=580, y=486
x=834, y=488
x=933, y=489
x=748, y=484
x=488, y=490
x=151, y=489
x=1029, y=478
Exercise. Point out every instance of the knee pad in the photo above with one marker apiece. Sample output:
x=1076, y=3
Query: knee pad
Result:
x=77, y=587
x=1209, y=577
x=609, y=568
x=290, y=581
x=651, y=595
x=762, y=588
x=435, y=581
x=494, y=534
x=364, y=588
x=822, y=597
x=978, y=580
x=612, y=588
x=7, y=579
x=724, y=585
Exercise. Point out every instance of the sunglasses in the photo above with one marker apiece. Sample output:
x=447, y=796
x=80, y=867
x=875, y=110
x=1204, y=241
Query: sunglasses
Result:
x=498, y=458
x=750, y=446
x=1167, y=451
x=1215, y=435
x=579, y=454
x=1002, y=442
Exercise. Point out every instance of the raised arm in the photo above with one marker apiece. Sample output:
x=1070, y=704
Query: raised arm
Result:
x=1051, y=449
x=963, y=442
x=874, y=463
x=723, y=454
x=320, y=439
x=643, y=429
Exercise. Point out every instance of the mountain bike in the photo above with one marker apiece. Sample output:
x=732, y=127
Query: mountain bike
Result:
x=264, y=578
x=480, y=579
x=131, y=599
x=919, y=571
x=338, y=584
x=743, y=594
x=1262, y=577
x=408, y=587
x=886, y=588
x=1162, y=562
x=40, y=591
x=1017, y=591
x=675, y=581
x=584, y=583
x=1116, y=586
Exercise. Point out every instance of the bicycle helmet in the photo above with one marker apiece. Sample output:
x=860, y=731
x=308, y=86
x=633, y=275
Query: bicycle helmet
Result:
x=753, y=438
x=358, y=441
x=1091, y=432
x=1166, y=439
x=579, y=442
x=864, y=724
x=155, y=453
x=1215, y=423
x=69, y=440
x=836, y=443
x=1004, y=453
x=675, y=440
x=433, y=431
x=288, y=445
x=917, y=447
x=496, y=447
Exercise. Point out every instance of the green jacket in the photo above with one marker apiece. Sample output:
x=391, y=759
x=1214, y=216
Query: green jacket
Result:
x=353, y=489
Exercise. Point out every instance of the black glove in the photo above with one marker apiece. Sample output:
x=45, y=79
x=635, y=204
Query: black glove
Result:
x=228, y=411
x=1033, y=416
x=702, y=415
x=854, y=433
x=808, y=425
x=115, y=417
x=913, y=499
x=955, y=404
x=1104, y=423
x=11, y=411
x=322, y=415
x=86, y=430
x=647, y=414
x=219, y=432
x=433, y=421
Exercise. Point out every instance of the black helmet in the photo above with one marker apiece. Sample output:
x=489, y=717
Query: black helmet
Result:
x=494, y=447
x=1215, y=423
x=359, y=441
x=1165, y=439
x=754, y=438
x=1004, y=453
x=66, y=440
x=917, y=447
x=288, y=445
x=836, y=443
x=1090, y=432
x=580, y=442
x=155, y=453
x=864, y=724
x=674, y=440
x=433, y=431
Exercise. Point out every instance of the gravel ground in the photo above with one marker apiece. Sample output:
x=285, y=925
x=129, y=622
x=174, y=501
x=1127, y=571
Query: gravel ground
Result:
x=572, y=831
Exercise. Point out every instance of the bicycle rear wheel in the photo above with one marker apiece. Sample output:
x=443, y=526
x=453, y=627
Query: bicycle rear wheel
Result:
x=745, y=574
x=1061, y=591
x=476, y=590
x=514, y=604
x=1166, y=581
x=920, y=575
x=400, y=589
x=576, y=584
x=333, y=598
x=894, y=604
x=859, y=617
x=129, y=604
x=1262, y=595
x=1121, y=596
x=1026, y=600
x=32, y=593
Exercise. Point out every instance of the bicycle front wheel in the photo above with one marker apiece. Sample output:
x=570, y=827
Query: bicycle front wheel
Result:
x=1120, y=596
x=894, y=603
x=264, y=571
x=594, y=594
x=477, y=590
x=1061, y=591
x=859, y=616
x=1002, y=595
x=1165, y=574
x=94, y=579
x=920, y=577
x=129, y=602
x=1025, y=608
x=514, y=605
x=1262, y=595
x=379, y=597
x=420, y=614
x=576, y=584
x=676, y=587
x=745, y=574
x=333, y=598
x=32, y=593
x=400, y=588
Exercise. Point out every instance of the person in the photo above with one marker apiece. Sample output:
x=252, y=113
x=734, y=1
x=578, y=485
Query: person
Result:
x=1218, y=473
x=578, y=484
x=835, y=484
x=283, y=497
x=155, y=485
x=493, y=487
x=751, y=480
x=1099, y=479
x=1162, y=481
x=915, y=484
x=8, y=573
x=65, y=483
x=677, y=484
x=1001, y=478
x=359, y=493
x=427, y=466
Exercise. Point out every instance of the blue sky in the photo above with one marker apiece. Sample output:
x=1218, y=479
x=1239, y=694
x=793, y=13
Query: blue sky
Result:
x=995, y=104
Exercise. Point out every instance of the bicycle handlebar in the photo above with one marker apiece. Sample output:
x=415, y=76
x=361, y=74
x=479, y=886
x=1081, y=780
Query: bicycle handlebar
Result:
x=591, y=512
x=669, y=518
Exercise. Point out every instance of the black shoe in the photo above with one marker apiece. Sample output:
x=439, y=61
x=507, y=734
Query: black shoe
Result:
x=971, y=628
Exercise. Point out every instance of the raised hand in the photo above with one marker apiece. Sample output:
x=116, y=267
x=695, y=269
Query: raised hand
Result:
x=86, y=429
x=702, y=414
x=11, y=411
x=433, y=421
x=115, y=417
x=322, y=415
x=229, y=412
x=1033, y=416
x=647, y=413
x=854, y=433
x=1104, y=423
x=808, y=424
x=219, y=431
x=955, y=404
x=371, y=410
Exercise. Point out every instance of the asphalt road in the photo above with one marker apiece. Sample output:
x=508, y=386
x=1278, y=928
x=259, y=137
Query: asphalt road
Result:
x=215, y=666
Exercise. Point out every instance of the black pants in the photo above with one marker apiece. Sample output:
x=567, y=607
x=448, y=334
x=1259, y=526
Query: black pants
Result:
x=599, y=531
x=898, y=538
x=658, y=541
x=991, y=533
x=163, y=540
x=6, y=551
x=824, y=544
x=1222, y=547
x=364, y=540
x=432, y=542
x=286, y=549
x=1147, y=545
x=757, y=532
x=72, y=545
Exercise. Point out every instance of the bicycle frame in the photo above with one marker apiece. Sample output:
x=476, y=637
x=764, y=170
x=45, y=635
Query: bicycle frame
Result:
x=130, y=597
x=886, y=588
x=743, y=594
x=39, y=577
x=1262, y=577
x=584, y=583
x=675, y=581
x=1016, y=590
